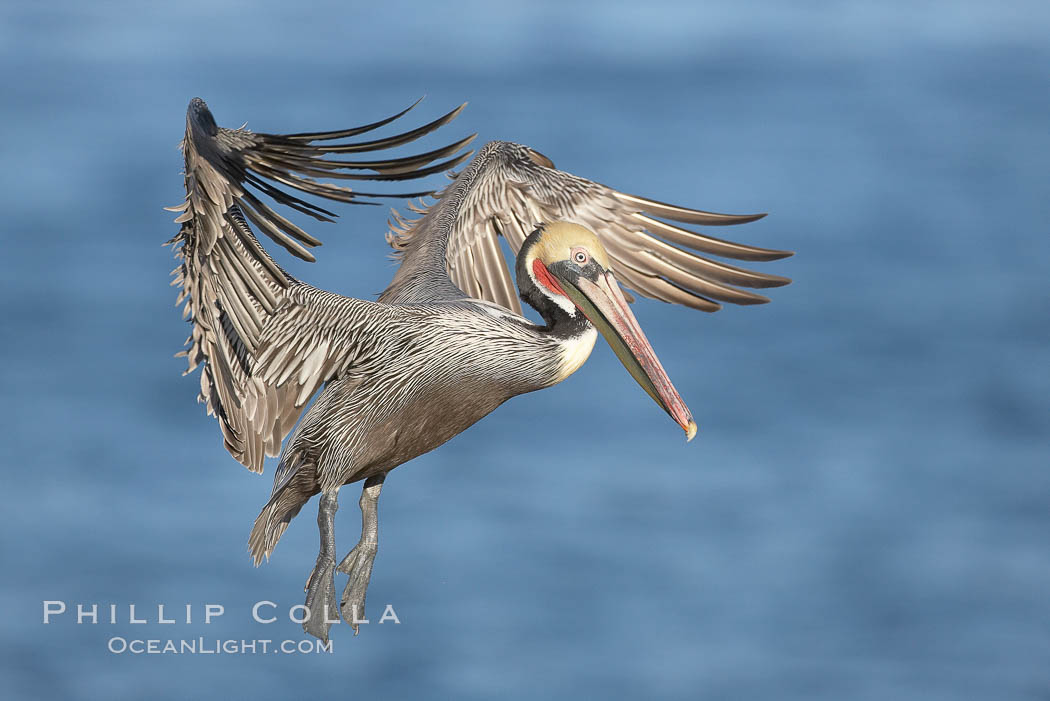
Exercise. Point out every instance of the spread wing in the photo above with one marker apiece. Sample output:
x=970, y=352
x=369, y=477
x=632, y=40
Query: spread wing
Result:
x=267, y=341
x=508, y=189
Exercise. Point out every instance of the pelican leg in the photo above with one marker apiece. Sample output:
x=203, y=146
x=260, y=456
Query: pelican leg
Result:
x=358, y=563
x=320, y=588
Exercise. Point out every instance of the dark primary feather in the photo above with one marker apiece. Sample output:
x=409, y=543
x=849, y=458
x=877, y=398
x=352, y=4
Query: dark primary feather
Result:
x=238, y=157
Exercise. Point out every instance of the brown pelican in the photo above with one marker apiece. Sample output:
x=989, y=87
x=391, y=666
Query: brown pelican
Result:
x=445, y=343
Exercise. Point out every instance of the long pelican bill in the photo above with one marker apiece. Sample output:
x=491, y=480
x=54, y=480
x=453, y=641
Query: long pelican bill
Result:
x=604, y=305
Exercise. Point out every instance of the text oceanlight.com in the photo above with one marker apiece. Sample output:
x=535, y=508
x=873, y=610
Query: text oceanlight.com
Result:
x=202, y=646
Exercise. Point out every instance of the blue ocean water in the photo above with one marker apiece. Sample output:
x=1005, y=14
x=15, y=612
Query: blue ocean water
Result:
x=864, y=513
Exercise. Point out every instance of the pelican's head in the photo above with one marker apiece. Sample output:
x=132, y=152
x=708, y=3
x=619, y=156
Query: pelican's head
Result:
x=564, y=273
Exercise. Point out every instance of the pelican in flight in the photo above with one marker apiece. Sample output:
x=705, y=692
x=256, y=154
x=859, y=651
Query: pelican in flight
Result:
x=446, y=342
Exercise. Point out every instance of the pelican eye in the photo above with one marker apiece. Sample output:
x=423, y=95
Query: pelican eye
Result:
x=579, y=256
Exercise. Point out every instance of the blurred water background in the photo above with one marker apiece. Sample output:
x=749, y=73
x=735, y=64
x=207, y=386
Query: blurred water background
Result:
x=864, y=514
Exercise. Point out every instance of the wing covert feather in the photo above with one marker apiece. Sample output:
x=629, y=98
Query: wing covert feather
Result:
x=508, y=189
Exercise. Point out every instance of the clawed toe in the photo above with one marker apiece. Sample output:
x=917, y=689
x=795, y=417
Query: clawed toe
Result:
x=320, y=601
x=358, y=565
